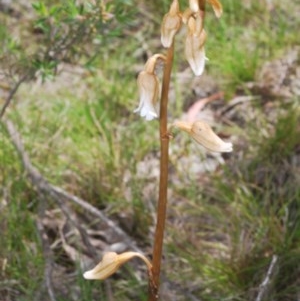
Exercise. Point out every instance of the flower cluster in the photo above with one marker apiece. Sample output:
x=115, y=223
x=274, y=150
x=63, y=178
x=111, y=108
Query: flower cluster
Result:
x=201, y=132
x=192, y=17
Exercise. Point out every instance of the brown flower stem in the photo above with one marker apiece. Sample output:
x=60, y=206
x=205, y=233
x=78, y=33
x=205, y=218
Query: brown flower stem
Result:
x=163, y=181
x=202, y=5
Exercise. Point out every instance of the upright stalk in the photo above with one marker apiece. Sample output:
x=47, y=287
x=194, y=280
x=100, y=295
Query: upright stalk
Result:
x=163, y=181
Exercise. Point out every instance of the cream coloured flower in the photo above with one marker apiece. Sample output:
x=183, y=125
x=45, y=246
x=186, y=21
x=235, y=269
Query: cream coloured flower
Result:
x=202, y=133
x=170, y=25
x=148, y=85
x=110, y=263
x=194, y=45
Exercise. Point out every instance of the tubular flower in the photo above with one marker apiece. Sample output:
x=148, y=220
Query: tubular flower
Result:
x=202, y=133
x=194, y=45
x=148, y=85
x=170, y=25
x=110, y=263
x=217, y=7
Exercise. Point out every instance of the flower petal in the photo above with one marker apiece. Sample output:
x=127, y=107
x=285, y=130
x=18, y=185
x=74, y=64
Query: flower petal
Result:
x=170, y=26
x=148, y=85
x=148, y=111
x=104, y=268
x=194, y=5
x=204, y=135
x=217, y=7
x=195, y=53
x=111, y=262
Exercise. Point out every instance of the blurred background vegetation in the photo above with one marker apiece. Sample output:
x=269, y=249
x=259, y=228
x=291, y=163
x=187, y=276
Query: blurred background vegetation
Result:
x=229, y=217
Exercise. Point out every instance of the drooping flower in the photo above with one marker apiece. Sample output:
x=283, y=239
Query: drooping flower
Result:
x=194, y=44
x=110, y=263
x=148, y=85
x=202, y=133
x=171, y=24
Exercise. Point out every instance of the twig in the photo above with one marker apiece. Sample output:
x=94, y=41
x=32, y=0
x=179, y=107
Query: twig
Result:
x=11, y=94
x=47, y=254
x=265, y=284
x=96, y=212
x=43, y=186
x=236, y=101
x=58, y=193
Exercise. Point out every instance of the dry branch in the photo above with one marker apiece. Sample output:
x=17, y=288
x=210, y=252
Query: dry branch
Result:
x=59, y=195
x=48, y=255
x=11, y=94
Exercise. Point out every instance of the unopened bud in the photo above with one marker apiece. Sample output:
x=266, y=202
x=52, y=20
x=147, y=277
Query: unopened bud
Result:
x=110, y=263
x=170, y=25
x=202, y=133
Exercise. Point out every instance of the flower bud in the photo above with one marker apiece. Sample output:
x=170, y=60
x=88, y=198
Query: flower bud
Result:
x=170, y=25
x=202, y=133
x=110, y=263
x=194, y=45
x=217, y=7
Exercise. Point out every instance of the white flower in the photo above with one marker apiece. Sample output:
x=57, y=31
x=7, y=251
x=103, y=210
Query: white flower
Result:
x=195, y=55
x=148, y=85
x=194, y=45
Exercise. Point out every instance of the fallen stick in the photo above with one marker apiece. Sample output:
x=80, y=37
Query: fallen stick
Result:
x=58, y=193
x=12, y=92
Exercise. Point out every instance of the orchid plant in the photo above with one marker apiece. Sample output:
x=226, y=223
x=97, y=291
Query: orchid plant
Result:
x=149, y=86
